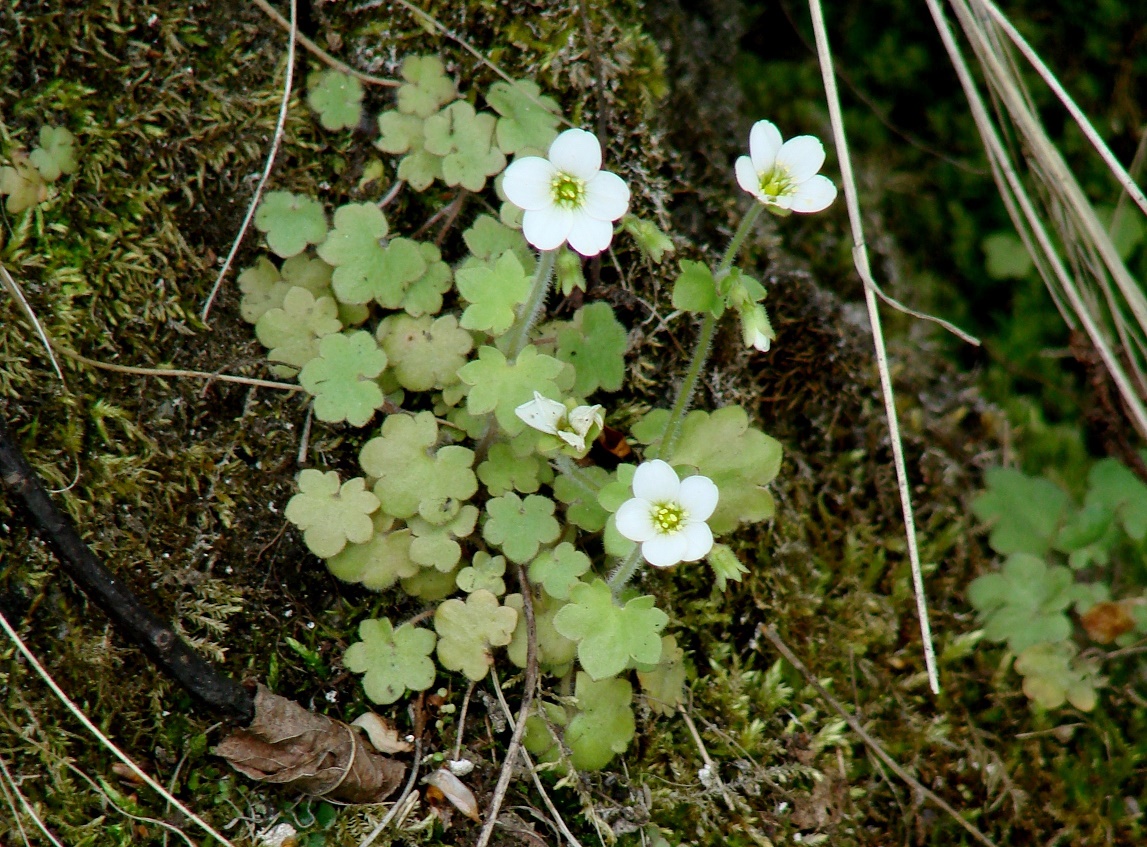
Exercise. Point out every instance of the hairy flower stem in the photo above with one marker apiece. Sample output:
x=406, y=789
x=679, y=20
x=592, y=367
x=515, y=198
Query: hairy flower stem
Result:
x=704, y=340
x=625, y=571
x=576, y=475
x=518, y=334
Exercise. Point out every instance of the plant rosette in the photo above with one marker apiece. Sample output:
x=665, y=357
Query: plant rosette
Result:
x=783, y=174
x=667, y=515
x=567, y=197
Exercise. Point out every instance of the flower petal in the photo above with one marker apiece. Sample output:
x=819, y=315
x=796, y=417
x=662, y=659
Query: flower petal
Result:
x=542, y=413
x=801, y=157
x=747, y=176
x=576, y=152
x=589, y=236
x=606, y=197
x=655, y=481
x=698, y=496
x=813, y=195
x=527, y=183
x=699, y=541
x=665, y=550
x=547, y=228
x=635, y=520
x=764, y=144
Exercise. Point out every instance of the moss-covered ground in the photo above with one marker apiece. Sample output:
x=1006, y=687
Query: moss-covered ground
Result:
x=180, y=484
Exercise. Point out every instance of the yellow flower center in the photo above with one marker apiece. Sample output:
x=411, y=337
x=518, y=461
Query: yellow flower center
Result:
x=776, y=183
x=568, y=191
x=668, y=517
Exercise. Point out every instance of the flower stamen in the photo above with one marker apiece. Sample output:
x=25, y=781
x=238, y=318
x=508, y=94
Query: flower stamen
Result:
x=568, y=191
x=668, y=517
x=776, y=183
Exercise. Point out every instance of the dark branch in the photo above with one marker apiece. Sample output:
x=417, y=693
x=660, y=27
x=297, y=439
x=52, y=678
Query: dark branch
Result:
x=202, y=679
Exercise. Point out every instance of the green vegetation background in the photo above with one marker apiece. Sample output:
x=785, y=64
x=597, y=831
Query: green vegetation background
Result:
x=181, y=485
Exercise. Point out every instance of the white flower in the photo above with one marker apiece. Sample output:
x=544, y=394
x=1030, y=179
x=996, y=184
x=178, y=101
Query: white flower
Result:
x=567, y=196
x=667, y=515
x=784, y=175
x=570, y=425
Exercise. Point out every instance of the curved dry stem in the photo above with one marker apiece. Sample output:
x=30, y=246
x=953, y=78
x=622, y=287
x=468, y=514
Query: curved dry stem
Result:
x=860, y=258
x=276, y=140
x=321, y=54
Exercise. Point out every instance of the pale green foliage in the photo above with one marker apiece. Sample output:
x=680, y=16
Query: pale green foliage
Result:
x=290, y=222
x=337, y=97
x=434, y=543
x=56, y=154
x=467, y=631
x=430, y=585
x=555, y=651
x=499, y=386
x=485, y=572
x=603, y=726
x=1025, y=511
x=648, y=236
x=425, y=91
x=520, y=526
x=488, y=239
x=464, y=139
x=1053, y=675
x=1115, y=488
x=379, y=562
x=342, y=378
x=695, y=289
x=504, y=471
x=559, y=569
x=410, y=477
x=330, y=515
x=393, y=660
x=1025, y=603
x=721, y=445
x=664, y=683
x=528, y=119
x=365, y=270
x=580, y=497
x=293, y=332
x=538, y=739
x=22, y=183
x=610, y=637
x=594, y=343
x=424, y=294
x=427, y=88
x=494, y=293
x=424, y=353
x=263, y=289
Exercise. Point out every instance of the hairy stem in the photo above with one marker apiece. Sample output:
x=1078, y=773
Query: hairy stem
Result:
x=704, y=339
x=625, y=571
x=518, y=334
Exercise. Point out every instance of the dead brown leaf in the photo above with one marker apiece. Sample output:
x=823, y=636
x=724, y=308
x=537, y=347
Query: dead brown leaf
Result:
x=290, y=746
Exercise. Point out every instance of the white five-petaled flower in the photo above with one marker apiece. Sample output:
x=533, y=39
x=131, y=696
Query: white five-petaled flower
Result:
x=783, y=174
x=667, y=515
x=570, y=425
x=567, y=196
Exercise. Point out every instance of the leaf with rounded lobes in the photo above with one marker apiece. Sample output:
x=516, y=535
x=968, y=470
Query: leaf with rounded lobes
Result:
x=558, y=570
x=342, y=378
x=594, y=342
x=528, y=119
x=520, y=526
x=494, y=293
x=555, y=651
x=290, y=222
x=1025, y=511
x=610, y=637
x=467, y=631
x=424, y=353
x=330, y=514
x=465, y=141
x=379, y=562
x=293, y=332
x=604, y=725
x=485, y=572
x=56, y=154
x=337, y=97
x=393, y=660
x=499, y=386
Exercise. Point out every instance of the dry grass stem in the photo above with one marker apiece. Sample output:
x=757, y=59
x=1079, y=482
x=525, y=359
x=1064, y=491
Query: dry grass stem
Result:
x=860, y=257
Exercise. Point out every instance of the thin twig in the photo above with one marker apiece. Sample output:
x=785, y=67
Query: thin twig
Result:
x=462, y=721
x=321, y=54
x=860, y=258
x=771, y=634
x=709, y=763
x=174, y=373
x=103, y=739
x=366, y=842
x=531, y=681
x=18, y=295
x=276, y=140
